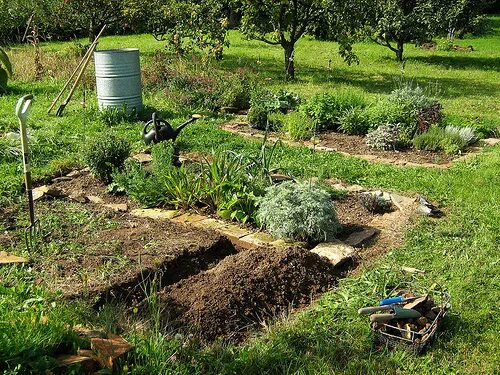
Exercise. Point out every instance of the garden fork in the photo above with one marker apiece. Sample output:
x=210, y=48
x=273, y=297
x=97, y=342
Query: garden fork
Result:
x=32, y=232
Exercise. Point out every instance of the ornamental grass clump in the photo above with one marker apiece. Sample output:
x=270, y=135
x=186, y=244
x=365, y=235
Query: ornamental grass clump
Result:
x=299, y=211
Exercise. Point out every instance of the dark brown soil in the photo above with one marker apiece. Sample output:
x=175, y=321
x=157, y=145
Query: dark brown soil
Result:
x=352, y=215
x=120, y=262
x=355, y=145
x=246, y=289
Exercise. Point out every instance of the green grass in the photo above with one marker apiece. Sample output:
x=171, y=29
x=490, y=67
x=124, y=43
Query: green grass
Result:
x=459, y=251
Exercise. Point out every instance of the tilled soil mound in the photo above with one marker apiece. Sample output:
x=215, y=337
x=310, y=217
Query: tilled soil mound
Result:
x=245, y=289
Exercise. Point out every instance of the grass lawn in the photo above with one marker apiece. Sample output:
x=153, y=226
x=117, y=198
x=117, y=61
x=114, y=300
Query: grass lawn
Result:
x=459, y=251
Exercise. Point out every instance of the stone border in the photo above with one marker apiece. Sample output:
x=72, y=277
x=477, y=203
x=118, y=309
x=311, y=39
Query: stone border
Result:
x=473, y=150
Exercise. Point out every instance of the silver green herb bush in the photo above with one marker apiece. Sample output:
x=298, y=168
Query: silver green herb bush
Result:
x=467, y=133
x=385, y=137
x=299, y=211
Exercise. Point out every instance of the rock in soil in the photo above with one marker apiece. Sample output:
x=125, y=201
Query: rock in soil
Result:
x=245, y=289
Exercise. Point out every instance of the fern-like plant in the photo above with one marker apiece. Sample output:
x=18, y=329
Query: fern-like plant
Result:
x=5, y=70
x=299, y=211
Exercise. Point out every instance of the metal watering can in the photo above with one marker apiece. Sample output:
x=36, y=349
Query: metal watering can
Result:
x=162, y=131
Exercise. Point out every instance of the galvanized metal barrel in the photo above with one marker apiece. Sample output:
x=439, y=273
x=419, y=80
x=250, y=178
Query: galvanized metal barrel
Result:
x=118, y=79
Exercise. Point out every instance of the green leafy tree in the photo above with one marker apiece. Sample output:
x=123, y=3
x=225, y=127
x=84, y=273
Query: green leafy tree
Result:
x=185, y=24
x=461, y=16
x=392, y=23
x=94, y=14
x=284, y=22
x=5, y=70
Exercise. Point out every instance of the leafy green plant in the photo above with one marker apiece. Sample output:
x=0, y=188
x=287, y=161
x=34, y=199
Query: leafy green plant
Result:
x=258, y=117
x=408, y=100
x=163, y=157
x=467, y=133
x=438, y=139
x=115, y=116
x=355, y=121
x=300, y=211
x=5, y=70
x=297, y=126
x=105, y=153
x=327, y=108
x=385, y=137
x=140, y=185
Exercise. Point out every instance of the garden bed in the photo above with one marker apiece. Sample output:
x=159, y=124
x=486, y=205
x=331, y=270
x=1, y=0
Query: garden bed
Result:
x=354, y=145
x=208, y=283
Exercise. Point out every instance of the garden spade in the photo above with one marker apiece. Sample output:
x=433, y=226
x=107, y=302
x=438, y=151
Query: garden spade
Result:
x=32, y=232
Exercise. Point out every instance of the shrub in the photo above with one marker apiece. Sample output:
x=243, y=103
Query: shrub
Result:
x=385, y=137
x=163, y=156
x=258, y=117
x=467, y=133
x=355, y=121
x=428, y=116
x=232, y=90
x=297, y=126
x=407, y=102
x=299, y=211
x=106, y=153
x=140, y=185
x=438, y=139
x=326, y=108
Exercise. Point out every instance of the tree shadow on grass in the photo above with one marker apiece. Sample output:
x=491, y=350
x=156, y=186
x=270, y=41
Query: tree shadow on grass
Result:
x=460, y=62
x=377, y=83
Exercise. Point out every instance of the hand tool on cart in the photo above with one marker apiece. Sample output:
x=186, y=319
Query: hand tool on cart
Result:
x=32, y=232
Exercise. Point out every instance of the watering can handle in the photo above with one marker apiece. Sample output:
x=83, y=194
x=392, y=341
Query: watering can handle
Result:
x=23, y=107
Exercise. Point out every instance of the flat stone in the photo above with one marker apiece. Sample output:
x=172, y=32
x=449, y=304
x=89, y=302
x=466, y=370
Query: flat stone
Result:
x=76, y=173
x=234, y=231
x=491, y=141
x=88, y=333
x=87, y=364
x=44, y=191
x=355, y=188
x=119, y=207
x=61, y=179
x=209, y=223
x=360, y=238
x=154, y=213
x=284, y=243
x=94, y=199
x=401, y=202
x=336, y=252
x=280, y=178
x=109, y=349
x=142, y=158
x=6, y=258
x=78, y=198
x=258, y=239
x=188, y=218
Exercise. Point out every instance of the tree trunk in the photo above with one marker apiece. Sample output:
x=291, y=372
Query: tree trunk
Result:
x=399, y=51
x=92, y=33
x=289, y=61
